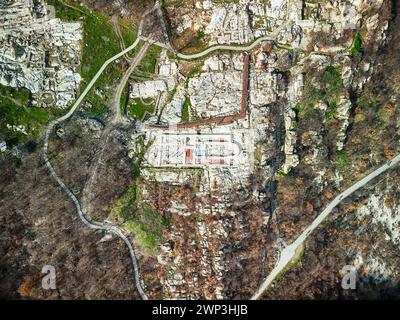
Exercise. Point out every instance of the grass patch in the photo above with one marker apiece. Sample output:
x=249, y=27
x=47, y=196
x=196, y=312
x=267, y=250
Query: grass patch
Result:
x=128, y=31
x=15, y=111
x=331, y=112
x=290, y=174
x=148, y=63
x=123, y=103
x=329, y=91
x=185, y=110
x=137, y=108
x=332, y=80
x=192, y=72
x=21, y=96
x=145, y=223
x=65, y=11
x=341, y=161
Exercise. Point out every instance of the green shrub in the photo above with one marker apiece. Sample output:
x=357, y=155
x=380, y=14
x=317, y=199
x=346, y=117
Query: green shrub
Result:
x=356, y=49
x=185, y=110
x=147, y=225
x=200, y=34
x=341, y=161
x=15, y=111
x=148, y=63
x=137, y=108
x=331, y=86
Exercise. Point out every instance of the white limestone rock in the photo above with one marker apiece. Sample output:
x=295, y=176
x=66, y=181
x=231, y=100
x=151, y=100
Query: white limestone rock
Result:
x=3, y=146
x=216, y=93
x=39, y=52
x=148, y=89
x=343, y=110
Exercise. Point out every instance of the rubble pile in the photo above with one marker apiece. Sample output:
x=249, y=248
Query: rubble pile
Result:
x=192, y=257
x=230, y=23
x=275, y=10
x=39, y=52
x=218, y=91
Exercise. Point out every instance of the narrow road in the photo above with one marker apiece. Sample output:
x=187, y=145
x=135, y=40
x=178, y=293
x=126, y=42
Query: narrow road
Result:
x=226, y=47
x=116, y=104
x=92, y=82
x=288, y=253
x=240, y=48
x=117, y=30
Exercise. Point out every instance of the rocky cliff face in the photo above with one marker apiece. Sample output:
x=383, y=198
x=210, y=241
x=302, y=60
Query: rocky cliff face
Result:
x=361, y=232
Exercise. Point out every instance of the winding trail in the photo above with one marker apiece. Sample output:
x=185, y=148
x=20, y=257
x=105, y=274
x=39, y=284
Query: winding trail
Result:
x=93, y=225
x=96, y=225
x=118, y=117
x=117, y=30
x=289, y=252
x=227, y=47
x=238, y=48
x=116, y=120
